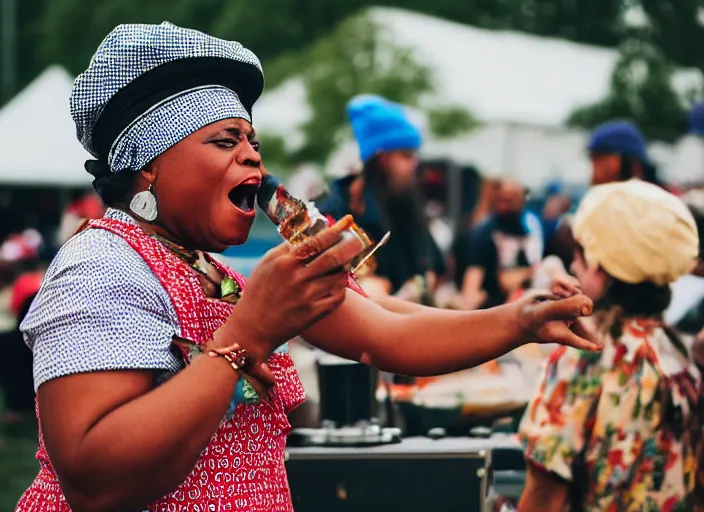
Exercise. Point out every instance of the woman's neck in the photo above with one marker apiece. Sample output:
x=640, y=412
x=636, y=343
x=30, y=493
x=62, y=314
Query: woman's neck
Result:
x=155, y=228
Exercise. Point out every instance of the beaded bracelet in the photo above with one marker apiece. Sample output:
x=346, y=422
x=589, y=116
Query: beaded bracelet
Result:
x=235, y=355
x=240, y=361
x=244, y=392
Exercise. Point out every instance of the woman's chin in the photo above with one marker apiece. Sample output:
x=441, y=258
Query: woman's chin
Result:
x=237, y=240
x=230, y=229
x=229, y=237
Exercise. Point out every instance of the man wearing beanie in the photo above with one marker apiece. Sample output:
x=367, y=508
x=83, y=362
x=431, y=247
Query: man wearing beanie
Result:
x=386, y=198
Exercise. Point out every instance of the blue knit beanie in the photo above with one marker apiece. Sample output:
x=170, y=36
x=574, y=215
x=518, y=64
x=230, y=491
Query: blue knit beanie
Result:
x=619, y=137
x=380, y=125
x=696, y=120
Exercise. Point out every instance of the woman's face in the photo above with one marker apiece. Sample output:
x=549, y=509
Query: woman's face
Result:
x=206, y=185
x=592, y=280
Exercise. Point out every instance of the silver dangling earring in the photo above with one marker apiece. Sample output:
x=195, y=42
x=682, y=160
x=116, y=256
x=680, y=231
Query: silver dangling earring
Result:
x=143, y=204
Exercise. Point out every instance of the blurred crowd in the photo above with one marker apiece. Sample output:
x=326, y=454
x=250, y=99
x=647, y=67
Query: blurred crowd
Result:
x=512, y=240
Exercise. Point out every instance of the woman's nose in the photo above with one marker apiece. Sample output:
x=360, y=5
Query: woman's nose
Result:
x=249, y=156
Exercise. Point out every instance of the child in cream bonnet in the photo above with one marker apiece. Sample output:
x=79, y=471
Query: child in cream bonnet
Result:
x=599, y=426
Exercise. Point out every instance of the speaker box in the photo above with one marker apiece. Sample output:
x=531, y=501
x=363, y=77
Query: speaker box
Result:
x=418, y=474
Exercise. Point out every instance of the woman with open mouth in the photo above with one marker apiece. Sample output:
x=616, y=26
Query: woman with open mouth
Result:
x=162, y=384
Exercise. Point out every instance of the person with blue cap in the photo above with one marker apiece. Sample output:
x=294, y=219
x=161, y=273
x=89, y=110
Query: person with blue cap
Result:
x=618, y=152
x=386, y=198
x=696, y=120
x=160, y=384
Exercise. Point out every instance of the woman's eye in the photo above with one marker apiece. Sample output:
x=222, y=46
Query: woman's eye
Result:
x=226, y=143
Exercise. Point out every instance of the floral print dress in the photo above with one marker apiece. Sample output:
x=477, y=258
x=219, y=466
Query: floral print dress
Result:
x=621, y=426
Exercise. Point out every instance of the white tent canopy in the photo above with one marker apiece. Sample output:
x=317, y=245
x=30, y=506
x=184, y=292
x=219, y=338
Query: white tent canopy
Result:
x=38, y=144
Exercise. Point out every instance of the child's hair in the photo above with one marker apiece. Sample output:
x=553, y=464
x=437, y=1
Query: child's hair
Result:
x=622, y=301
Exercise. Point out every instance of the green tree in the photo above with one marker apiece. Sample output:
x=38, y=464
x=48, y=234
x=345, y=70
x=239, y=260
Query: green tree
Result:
x=73, y=28
x=68, y=31
x=274, y=152
x=273, y=27
x=29, y=64
x=356, y=59
x=586, y=21
x=641, y=90
x=450, y=121
x=677, y=29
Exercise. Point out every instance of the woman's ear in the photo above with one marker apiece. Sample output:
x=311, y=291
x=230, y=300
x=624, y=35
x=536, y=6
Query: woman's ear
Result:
x=149, y=174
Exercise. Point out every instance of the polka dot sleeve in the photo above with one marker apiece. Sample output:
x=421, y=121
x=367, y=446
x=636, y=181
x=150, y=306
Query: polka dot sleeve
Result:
x=100, y=308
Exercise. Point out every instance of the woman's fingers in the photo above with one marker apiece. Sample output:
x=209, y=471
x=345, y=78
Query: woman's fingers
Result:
x=334, y=258
x=583, y=328
x=329, y=304
x=565, y=309
x=550, y=321
x=563, y=335
x=263, y=374
x=318, y=244
x=324, y=286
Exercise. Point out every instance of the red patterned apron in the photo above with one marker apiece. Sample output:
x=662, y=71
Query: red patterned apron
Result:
x=242, y=469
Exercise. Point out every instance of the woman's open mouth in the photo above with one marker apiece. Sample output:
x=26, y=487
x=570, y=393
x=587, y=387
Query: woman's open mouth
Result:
x=244, y=196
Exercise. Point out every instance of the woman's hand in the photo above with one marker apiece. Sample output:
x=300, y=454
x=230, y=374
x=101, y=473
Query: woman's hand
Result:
x=290, y=289
x=550, y=318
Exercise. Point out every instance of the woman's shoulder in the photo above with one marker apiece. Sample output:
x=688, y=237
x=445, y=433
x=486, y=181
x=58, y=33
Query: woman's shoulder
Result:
x=99, y=308
x=96, y=251
x=96, y=270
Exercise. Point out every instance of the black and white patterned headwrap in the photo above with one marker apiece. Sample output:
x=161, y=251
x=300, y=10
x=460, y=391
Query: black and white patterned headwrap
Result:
x=150, y=86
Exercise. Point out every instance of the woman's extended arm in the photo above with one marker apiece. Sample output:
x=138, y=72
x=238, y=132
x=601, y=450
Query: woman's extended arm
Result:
x=401, y=307
x=432, y=341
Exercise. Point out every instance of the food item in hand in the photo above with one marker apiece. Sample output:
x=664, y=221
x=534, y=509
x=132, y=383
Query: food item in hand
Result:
x=297, y=221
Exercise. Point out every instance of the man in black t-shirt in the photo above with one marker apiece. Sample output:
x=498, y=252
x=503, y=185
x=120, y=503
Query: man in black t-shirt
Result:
x=501, y=251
